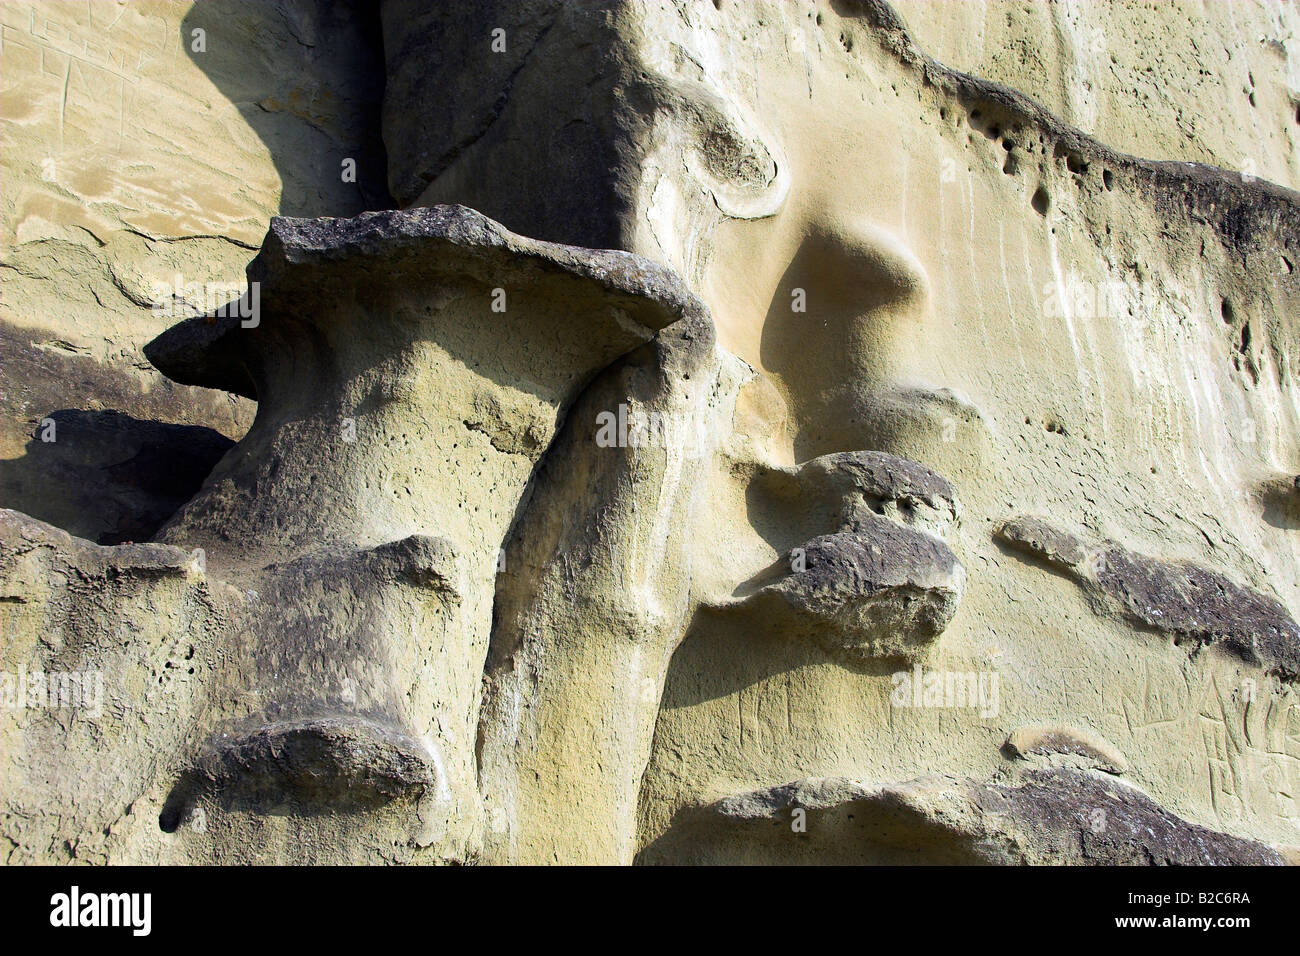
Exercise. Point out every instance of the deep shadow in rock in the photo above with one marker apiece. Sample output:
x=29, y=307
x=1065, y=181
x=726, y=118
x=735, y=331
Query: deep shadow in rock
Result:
x=727, y=650
x=854, y=834
x=109, y=476
x=145, y=469
x=333, y=114
x=1281, y=504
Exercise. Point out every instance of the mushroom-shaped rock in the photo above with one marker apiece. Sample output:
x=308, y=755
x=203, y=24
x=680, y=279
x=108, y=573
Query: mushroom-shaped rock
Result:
x=411, y=369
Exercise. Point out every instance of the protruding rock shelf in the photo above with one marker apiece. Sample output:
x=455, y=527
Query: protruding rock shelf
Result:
x=1048, y=816
x=331, y=764
x=883, y=584
x=1056, y=743
x=1183, y=600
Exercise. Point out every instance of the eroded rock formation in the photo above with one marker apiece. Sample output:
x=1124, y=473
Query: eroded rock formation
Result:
x=1048, y=817
x=733, y=395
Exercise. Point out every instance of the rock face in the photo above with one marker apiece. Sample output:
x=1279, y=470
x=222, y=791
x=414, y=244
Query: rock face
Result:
x=1057, y=743
x=1048, y=817
x=878, y=587
x=142, y=163
x=880, y=591
x=630, y=408
x=1188, y=602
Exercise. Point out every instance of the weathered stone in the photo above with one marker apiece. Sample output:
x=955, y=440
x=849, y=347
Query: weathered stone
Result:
x=575, y=654
x=1057, y=742
x=1280, y=497
x=532, y=550
x=22, y=536
x=881, y=584
x=1035, y=536
x=1181, y=599
x=90, y=449
x=429, y=332
x=132, y=161
x=1048, y=816
x=366, y=321
x=874, y=482
x=305, y=264
x=1066, y=816
x=880, y=591
x=336, y=764
x=135, y=626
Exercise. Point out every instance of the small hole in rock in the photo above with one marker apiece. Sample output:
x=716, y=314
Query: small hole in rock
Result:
x=1040, y=201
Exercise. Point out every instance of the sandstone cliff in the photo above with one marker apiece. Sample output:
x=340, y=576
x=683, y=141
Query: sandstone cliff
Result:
x=656, y=431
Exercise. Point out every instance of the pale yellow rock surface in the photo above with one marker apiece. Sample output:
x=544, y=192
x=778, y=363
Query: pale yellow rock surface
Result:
x=477, y=631
x=1208, y=81
x=138, y=156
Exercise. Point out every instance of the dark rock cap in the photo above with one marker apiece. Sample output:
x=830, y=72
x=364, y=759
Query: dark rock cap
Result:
x=304, y=259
